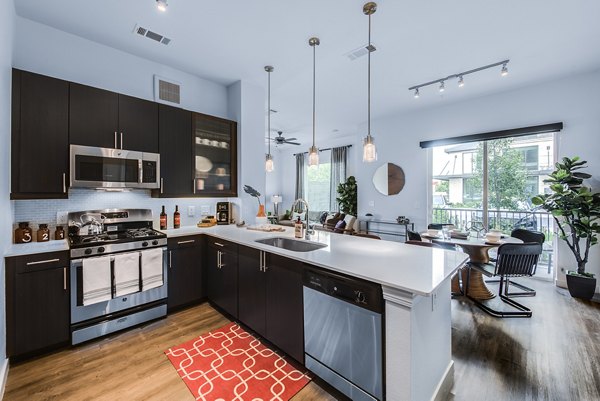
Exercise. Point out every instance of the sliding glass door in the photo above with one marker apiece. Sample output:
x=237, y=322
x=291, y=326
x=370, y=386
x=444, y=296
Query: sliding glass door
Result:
x=487, y=185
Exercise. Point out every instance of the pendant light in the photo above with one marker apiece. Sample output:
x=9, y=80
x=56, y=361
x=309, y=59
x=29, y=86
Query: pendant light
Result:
x=369, y=149
x=313, y=151
x=269, y=158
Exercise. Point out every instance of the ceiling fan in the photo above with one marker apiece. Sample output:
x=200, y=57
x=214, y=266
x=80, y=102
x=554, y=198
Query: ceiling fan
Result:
x=281, y=140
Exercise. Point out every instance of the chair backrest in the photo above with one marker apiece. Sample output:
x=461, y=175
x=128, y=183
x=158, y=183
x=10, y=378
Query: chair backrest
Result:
x=439, y=226
x=423, y=243
x=516, y=260
x=528, y=236
x=413, y=236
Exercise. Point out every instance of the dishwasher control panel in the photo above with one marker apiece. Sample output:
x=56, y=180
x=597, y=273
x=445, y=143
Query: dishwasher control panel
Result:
x=359, y=292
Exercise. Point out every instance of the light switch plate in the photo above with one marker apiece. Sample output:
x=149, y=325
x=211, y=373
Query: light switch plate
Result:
x=371, y=203
x=205, y=210
x=62, y=217
x=191, y=211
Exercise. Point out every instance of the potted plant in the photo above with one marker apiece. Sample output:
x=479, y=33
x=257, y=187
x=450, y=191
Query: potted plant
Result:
x=348, y=196
x=576, y=210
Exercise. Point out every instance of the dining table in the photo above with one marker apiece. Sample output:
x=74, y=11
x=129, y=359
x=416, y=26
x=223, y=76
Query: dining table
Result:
x=477, y=249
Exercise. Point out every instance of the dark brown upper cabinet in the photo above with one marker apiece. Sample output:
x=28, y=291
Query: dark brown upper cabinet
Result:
x=40, y=137
x=214, y=156
x=175, y=137
x=109, y=120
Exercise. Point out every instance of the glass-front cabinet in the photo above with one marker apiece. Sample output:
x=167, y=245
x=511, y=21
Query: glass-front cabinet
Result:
x=214, y=156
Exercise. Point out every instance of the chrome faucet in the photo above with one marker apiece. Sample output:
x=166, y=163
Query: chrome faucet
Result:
x=309, y=230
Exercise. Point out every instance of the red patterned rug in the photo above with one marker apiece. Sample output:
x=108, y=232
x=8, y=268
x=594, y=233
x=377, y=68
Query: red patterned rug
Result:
x=230, y=364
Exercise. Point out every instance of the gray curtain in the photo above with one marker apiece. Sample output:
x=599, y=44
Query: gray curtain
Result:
x=300, y=167
x=338, y=173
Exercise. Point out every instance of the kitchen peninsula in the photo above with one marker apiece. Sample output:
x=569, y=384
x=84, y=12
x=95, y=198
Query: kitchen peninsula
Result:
x=416, y=292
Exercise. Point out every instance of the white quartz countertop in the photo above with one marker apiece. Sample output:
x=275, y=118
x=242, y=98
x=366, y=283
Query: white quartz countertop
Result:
x=37, y=247
x=415, y=269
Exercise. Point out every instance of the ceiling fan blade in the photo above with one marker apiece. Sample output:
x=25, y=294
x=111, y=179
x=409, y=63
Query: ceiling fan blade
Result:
x=290, y=139
x=292, y=143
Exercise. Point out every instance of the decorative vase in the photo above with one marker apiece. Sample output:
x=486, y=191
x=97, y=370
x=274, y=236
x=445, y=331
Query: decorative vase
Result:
x=261, y=211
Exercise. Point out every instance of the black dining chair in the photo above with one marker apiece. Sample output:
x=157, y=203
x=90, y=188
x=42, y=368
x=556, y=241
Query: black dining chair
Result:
x=513, y=260
x=525, y=236
x=413, y=236
x=439, y=226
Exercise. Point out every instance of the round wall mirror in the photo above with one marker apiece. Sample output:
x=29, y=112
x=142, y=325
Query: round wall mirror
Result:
x=389, y=179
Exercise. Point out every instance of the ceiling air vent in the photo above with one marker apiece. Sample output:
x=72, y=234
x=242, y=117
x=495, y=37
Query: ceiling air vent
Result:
x=151, y=35
x=358, y=52
x=166, y=91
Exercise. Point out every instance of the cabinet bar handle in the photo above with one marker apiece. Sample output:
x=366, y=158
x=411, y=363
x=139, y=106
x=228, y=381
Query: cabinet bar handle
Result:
x=64, y=278
x=260, y=267
x=161, y=185
x=65, y=183
x=121, y=140
x=170, y=259
x=191, y=241
x=218, y=244
x=264, y=262
x=219, y=259
x=40, y=262
x=194, y=185
x=115, y=139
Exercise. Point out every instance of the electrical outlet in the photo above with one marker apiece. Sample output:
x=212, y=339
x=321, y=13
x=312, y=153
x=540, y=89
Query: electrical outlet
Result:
x=62, y=217
x=205, y=210
x=191, y=211
x=372, y=203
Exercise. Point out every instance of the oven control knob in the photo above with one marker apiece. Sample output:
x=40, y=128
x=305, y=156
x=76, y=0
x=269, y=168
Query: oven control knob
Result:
x=155, y=242
x=88, y=251
x=144, y=243
x=101, y=249
x=360, y=297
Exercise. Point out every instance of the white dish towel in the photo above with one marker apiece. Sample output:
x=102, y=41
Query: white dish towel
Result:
x=96, y=280
x=152, y=268
x=127, y=273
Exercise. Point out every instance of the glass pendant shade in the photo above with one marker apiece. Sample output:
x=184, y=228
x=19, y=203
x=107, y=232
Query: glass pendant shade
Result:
x=269, y=166
x=313, y=156
x=369, y=150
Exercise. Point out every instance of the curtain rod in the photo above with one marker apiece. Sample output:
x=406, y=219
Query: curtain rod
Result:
x=323, y=150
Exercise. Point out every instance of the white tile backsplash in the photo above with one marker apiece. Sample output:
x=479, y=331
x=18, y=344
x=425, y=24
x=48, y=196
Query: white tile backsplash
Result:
x=45, y=210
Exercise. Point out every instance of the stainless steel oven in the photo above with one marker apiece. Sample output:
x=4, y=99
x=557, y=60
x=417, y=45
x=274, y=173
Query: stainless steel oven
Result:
x=99, y=309
x=93, y=167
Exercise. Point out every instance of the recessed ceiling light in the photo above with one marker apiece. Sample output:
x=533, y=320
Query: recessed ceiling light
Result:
x=161, y=5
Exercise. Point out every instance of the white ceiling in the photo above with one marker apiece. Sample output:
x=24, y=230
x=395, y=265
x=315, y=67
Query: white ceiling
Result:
x=417, y=41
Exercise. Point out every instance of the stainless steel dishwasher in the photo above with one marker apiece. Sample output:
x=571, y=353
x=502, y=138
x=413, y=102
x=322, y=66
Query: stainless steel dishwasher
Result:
x=343, y=333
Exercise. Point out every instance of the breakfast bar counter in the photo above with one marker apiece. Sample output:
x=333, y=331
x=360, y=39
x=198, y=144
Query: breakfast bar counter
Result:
x=416, y=291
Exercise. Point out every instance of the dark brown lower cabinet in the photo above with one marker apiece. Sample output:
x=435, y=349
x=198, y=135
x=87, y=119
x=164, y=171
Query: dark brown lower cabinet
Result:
x=222, y=275
x=37, y=303
x=270, y=299
x=185, y=281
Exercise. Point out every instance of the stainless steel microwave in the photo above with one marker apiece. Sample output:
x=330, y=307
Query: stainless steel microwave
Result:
x=93, y=167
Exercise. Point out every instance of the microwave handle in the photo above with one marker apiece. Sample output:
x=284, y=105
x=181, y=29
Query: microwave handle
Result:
x=140, y=170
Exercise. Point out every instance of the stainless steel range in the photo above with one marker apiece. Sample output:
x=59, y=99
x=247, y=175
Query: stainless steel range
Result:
x=118, y=271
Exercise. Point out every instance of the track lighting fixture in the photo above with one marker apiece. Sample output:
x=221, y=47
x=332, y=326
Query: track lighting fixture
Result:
x=269, y=158
x=460, y=77
x=161, y=5
x=369, y=149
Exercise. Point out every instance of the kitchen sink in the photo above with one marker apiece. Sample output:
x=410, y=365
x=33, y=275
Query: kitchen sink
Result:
x=291, y=244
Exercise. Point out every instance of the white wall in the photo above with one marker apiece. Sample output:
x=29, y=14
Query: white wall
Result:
x=283, y=180
x=7, y=18
x=574, y=100
x=48, y=51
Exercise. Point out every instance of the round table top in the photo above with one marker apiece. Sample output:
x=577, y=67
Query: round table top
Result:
x=473, y=241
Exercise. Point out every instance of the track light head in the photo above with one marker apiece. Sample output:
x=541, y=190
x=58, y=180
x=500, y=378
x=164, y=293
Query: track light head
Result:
x=442, y=86
x=461, y=81
x=161, y=5
x=504, y=71
x=417, y=94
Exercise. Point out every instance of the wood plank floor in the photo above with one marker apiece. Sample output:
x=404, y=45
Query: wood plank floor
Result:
x=553, y=356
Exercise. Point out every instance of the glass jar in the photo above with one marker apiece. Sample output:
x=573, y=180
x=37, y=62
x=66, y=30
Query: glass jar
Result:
x=59, y=233
x=43, y=234
x=23, y=234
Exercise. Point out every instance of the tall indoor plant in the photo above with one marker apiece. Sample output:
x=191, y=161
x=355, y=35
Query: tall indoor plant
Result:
x=348, y=196
x=576, y=210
